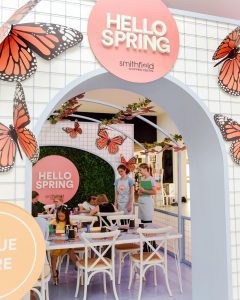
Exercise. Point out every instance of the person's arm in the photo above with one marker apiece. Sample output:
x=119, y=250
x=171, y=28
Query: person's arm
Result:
x=116, y=199
x=94, y=211
x=153, y=191
x=131, y=197
x=82, y=209
x=116, y=194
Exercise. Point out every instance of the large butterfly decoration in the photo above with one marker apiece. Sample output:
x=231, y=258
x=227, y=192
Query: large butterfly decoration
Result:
x=229, y=53
x=18, y=42
x=104, y=141
x=16, y=136
x=73, y=132
x=230, y=130
x=130, y=164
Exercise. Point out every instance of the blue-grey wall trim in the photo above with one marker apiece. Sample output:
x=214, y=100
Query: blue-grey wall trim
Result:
x=211, y=277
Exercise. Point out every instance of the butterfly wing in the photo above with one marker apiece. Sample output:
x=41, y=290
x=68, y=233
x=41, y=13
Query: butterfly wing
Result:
x=77, y=128
x=229, y=43
x=235, y=151
x=7, y=149
x=29, y=144
x=229, y=76
x=229, y=128
x=16, y=17
x=102, y=141
x=21, y=119
x=21, y=116
x=47, y=40
x=131, y=163
x=113, y=145
x=17, y=61
x=123, y=160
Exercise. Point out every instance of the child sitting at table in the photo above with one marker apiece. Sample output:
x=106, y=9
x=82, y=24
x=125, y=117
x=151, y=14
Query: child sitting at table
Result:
x=88, y=205
x=62, y=219
x=103, y=206
x=57, y=202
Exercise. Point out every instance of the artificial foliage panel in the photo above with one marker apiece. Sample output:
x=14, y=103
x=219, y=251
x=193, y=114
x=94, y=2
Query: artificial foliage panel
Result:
x=96, y=175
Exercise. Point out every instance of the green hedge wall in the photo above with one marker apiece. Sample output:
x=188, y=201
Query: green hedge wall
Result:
x=96, y=175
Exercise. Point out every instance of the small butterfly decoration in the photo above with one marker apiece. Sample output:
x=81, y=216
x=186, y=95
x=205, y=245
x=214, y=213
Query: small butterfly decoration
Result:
x=230, y=130
x=16, y=136
x=104, y=141
x=229, y=53
x=130, y=164
x=73, y=132
x=18, y=42
x=129, y=114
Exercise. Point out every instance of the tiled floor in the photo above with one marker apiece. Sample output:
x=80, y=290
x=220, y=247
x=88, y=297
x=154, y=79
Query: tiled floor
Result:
x=66, y=288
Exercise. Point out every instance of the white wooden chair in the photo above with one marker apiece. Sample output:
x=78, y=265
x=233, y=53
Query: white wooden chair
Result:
x=123, y=250
x=41, y=286
x=100, y=244
x=144, y=260
x=79, y=251
x=48, y=207
x=103, y=216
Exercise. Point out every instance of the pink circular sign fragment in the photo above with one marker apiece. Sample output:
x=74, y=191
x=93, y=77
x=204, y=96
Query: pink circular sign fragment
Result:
x=135, y=40
x=55, y=175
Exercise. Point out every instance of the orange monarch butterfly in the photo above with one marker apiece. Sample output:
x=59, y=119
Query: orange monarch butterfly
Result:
x=16, y=135
x=73, y=132
x=105, y=142
x=230, y=130
x=229, y=53
x=17, y=43
x=130, y=165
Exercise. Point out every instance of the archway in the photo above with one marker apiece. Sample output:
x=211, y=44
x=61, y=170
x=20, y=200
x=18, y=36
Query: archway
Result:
x=209, y=189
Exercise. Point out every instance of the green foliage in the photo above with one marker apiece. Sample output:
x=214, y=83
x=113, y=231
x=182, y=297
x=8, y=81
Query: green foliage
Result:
x=96, y=175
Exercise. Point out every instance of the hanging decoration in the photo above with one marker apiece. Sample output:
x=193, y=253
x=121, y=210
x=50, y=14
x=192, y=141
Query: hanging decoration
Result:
x=68, y=108
x=131, y=111
x=165, y=144
x=230, y=131
x=104, y=141
x=130, y=164
x=73, y=132
x=19, y=42
x=16, y=136
x=229, y=53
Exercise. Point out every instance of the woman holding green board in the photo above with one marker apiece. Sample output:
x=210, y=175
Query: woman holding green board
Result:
x=147, y=188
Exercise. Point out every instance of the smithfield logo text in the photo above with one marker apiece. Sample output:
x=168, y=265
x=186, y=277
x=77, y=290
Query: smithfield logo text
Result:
x=123, y=30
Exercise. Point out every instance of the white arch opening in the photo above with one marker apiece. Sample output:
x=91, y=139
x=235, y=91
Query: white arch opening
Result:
x=211, y=271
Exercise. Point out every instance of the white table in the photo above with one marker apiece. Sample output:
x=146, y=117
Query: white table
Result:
x=124, y=238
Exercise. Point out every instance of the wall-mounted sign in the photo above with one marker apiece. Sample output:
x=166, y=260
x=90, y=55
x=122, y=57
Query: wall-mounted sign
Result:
x=135, y=40
x=55, y=175
x=22, y=251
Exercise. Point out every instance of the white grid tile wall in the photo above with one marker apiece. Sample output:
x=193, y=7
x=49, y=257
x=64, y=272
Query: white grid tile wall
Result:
x=54, y=135
x=199, y=38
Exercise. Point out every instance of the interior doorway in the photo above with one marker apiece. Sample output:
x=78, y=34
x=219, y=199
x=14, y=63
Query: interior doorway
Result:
x=209, y=189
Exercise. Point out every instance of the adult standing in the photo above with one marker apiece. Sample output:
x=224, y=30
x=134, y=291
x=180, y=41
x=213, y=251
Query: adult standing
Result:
x=147, y=188
x=124, y=191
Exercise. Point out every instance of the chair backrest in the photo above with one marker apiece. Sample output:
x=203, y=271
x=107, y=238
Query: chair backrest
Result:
x=103, y=217
x=47, y=207
x=83, y=219
x=116, y=219
x=147, y=235
x=100, y=244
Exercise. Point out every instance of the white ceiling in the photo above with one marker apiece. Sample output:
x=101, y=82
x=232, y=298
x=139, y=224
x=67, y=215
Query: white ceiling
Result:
x=221, y=8
x=112, y=96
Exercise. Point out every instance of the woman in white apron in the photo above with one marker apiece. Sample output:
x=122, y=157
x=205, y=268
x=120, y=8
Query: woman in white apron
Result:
x=147, y=188
x=124, y=191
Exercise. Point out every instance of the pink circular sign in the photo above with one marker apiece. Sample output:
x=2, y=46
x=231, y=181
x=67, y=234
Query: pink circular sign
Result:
x=135, y=40
x=55, y=175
